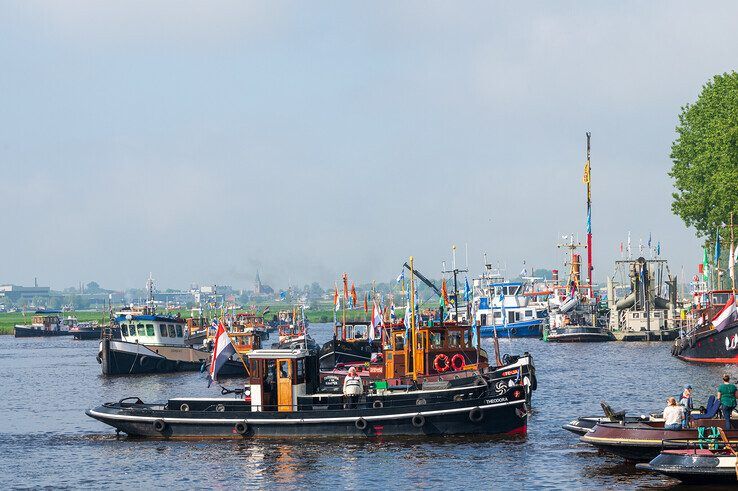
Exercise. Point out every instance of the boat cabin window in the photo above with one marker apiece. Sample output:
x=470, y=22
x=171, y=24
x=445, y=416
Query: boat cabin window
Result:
x=163, y=330
x=179, y=330
x=454, y=339
x=172, y=333
x=657, y=314
x=529, y=313
x=124, y=329
x=399, y=341
x=636, y=315
x=436, y=340
x=300, y=371
x=719, y=298
x=284, y=369
x=483, y=319
x=420, y=340
x=141, y=329
x=498, y=315
x=150, y=330
x=469, y=339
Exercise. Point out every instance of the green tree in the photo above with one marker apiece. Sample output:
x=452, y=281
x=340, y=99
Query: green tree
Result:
x=705, y=156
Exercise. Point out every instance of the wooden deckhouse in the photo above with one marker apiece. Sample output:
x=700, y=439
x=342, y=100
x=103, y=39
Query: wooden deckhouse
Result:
x=247, y=332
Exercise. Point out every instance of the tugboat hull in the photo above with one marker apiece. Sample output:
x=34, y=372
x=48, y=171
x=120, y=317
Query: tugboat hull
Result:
x=124, y=358
x=337, y=351
x=709, y=347
x=30, y=332
x=478, y=414
x=527, y=329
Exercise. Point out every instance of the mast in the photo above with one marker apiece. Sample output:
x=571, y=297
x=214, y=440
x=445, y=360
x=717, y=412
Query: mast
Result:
x=455, y=272
x=413, y=333
x=345, y=301
x=588, y=179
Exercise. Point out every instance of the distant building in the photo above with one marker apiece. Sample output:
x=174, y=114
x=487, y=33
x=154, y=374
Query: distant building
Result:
x=15, y=293
x=261, y=289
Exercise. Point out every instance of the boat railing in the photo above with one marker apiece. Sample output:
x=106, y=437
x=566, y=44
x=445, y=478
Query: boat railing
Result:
x=715, y=441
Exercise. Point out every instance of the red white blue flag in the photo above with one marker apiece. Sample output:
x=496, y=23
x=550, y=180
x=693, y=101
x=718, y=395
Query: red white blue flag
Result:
x=726, y=316
x=223, y=349
x=376, y=321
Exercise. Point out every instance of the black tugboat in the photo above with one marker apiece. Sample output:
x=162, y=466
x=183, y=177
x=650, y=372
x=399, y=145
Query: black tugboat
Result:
x=45, y=323
x=705, y=343
x=350, y=345
x=283, y=402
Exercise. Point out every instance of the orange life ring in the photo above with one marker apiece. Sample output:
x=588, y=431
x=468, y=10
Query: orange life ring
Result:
x=437, y=363
x=457, y=362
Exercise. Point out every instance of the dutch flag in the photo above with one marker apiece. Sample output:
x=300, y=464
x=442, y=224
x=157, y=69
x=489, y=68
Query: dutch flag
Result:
x=726, y=316
x=223, y=349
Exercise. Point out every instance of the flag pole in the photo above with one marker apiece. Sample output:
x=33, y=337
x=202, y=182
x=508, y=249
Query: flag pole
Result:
x=413, y=335
x=345, y=300
x=731, y=259
x=589, y=218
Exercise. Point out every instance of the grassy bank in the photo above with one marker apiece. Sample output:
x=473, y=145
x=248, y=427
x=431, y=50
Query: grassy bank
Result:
x=9, y=320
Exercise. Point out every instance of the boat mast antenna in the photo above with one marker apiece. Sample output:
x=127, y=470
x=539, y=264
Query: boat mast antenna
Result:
x=455, y=272
x=587, y=181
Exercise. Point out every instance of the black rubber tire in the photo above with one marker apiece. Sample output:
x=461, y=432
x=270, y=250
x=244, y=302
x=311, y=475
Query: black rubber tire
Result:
x=161, y=365
x=145, y=362
x=184, y=407
x=377, y=404
x=418, y=420
x=533, y=381
x=241, y=428
x=361, y=424
x=476, y=415
x=160, y=426
x=99, y=358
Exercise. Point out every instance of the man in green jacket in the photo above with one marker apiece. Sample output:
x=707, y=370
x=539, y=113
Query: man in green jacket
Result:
x=727, y=395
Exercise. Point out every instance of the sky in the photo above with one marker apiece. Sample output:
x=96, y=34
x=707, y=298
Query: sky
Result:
x=201, y=141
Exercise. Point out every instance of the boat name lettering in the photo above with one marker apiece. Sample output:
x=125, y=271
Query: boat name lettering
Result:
x=509, y=372
x=495, y=400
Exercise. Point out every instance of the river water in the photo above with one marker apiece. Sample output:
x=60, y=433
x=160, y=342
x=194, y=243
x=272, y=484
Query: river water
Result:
x=47, y=441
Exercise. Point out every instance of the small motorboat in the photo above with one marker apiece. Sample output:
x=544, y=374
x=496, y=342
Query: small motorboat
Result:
x=642, y=441
x=583, y=424
x=700, y=462
x=284, y=402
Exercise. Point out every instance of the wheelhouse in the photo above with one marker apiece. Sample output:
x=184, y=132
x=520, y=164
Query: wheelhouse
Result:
x=278, y=377
x=353, y=331
x=153, y=329
x=439, y=348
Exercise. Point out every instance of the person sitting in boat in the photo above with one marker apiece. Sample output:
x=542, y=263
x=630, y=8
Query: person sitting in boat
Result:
x=352, y=387
x=726, y=394
x=673, y=415
x=686, y=401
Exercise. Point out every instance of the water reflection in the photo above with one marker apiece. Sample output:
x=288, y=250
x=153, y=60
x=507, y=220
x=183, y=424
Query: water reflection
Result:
x=45, y=385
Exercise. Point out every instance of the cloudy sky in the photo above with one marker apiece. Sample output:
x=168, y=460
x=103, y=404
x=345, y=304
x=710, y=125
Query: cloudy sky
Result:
x=203, y=140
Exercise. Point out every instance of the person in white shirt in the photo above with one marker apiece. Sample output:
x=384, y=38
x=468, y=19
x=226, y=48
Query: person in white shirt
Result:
x=673, y=415
x=352, y=387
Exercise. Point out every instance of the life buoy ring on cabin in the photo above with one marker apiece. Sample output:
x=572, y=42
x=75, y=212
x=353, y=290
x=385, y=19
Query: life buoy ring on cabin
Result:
x=457, y=362
x=441, y=363
x=377, y=404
